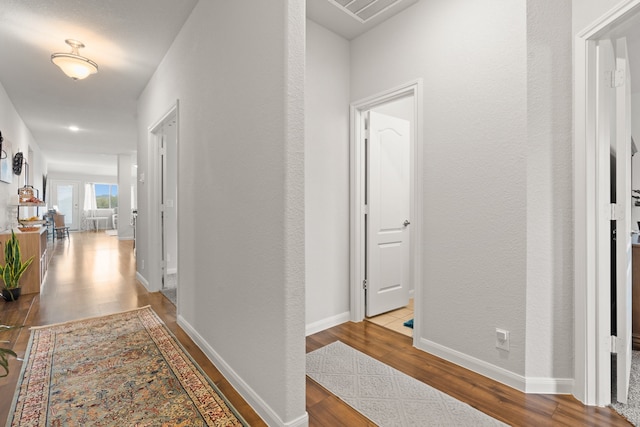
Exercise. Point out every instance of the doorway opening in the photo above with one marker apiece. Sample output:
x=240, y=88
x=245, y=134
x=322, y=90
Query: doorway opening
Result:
x=386, y=206
x=603, y=160
x=164, y=203
x=64, y=198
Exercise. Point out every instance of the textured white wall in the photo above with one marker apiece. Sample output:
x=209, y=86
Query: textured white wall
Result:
x=549, y=191
x=237, y=69
x=472, y=58
x=585, y=12
x=16, y=132
x=326, y=177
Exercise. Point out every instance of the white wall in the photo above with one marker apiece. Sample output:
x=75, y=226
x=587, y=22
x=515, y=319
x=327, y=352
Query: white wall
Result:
x=585, y=12
x=474, y=243
x=237, y=69
x=15, y=132
x=549, y=191
x=483, y=164
x=326, y=178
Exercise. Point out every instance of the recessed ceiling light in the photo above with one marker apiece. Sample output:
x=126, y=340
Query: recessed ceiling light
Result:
x=73, y=128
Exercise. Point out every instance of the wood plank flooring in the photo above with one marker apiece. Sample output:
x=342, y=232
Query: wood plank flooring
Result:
x=93, y=274
x=495, y=399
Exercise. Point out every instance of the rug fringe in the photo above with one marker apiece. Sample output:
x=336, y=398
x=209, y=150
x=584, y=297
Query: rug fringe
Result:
x=37, y=327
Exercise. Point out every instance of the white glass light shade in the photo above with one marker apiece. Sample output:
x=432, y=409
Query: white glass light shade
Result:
x=76, y=67
x=72, y=64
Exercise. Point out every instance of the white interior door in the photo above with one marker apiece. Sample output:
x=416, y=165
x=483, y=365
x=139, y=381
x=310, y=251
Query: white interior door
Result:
x=168, y=203
x=387, y=221
x=623, y=223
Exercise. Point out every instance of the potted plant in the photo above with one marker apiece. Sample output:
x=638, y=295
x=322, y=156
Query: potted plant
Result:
x=13, y=269
x=4, y=355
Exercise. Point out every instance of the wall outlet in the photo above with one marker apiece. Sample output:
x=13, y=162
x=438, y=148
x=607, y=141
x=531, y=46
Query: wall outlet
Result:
x=141, y=264
x=502, y=339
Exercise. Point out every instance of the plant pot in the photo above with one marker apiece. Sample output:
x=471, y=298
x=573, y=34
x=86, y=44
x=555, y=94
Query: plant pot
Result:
x=11, y=294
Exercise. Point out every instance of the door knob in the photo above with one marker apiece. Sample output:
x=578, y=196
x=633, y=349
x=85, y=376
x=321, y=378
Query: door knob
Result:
x=406, y=222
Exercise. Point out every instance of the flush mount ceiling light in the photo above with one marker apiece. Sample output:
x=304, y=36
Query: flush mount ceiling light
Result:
x=72, y=64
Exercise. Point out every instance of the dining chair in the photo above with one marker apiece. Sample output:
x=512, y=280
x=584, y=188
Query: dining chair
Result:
x=60, y=228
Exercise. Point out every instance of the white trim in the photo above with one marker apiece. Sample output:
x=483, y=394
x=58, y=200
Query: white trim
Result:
x=591, y=345
x=538, y=385
x=154, y=254
x=253, y=399
x=327, y=323
x=496, y=373
x=411, y=89
x=142, y=280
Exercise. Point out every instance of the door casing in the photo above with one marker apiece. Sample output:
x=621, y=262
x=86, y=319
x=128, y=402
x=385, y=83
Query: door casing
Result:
x=358, y=109
x=154, y=198
x=591, y=253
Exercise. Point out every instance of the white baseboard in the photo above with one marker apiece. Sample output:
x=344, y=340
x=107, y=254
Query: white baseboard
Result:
x=549, y=385
x=252, y=398
x=327, y=323
x=496, y=373
x=142, y=280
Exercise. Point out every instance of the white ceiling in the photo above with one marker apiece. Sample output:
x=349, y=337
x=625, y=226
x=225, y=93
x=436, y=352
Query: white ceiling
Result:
x=128, y=39
x=331, y=16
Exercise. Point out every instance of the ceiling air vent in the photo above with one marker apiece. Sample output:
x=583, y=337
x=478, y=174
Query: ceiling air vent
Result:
x=364, y=10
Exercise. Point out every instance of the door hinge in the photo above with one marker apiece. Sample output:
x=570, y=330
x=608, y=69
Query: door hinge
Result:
x=614, y=344
x=617, y=78
x=364, y=284
x=613, y=214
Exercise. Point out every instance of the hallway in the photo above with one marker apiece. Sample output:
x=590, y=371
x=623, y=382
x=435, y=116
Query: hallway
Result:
x=93, y=274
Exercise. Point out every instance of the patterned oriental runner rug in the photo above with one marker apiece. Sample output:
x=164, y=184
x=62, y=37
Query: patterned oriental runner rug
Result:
x=124, y=369
x=385, y=395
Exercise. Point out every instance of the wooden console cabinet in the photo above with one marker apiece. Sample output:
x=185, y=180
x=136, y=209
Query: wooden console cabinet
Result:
x=31, y=243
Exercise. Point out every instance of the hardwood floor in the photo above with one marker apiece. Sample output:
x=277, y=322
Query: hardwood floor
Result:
x=93, y=274
x=495, y=399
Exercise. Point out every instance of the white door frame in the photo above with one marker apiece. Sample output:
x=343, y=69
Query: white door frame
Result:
x=591, y=290
x=357, y=234
x=155, y=223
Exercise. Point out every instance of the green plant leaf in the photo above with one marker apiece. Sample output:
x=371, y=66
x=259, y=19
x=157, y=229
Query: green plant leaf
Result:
x=4, y=360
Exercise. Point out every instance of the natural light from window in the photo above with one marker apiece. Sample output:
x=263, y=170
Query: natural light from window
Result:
x=106, y=196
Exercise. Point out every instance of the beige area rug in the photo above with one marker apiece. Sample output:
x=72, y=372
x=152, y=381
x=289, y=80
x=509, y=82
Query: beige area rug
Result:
x=125, y=369
x=385, y=395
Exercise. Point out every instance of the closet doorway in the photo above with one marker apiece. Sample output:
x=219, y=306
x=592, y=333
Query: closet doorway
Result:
x=165, y=203
x=386, y=208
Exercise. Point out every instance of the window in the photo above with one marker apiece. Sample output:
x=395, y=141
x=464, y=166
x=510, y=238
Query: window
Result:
x=106, y=196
